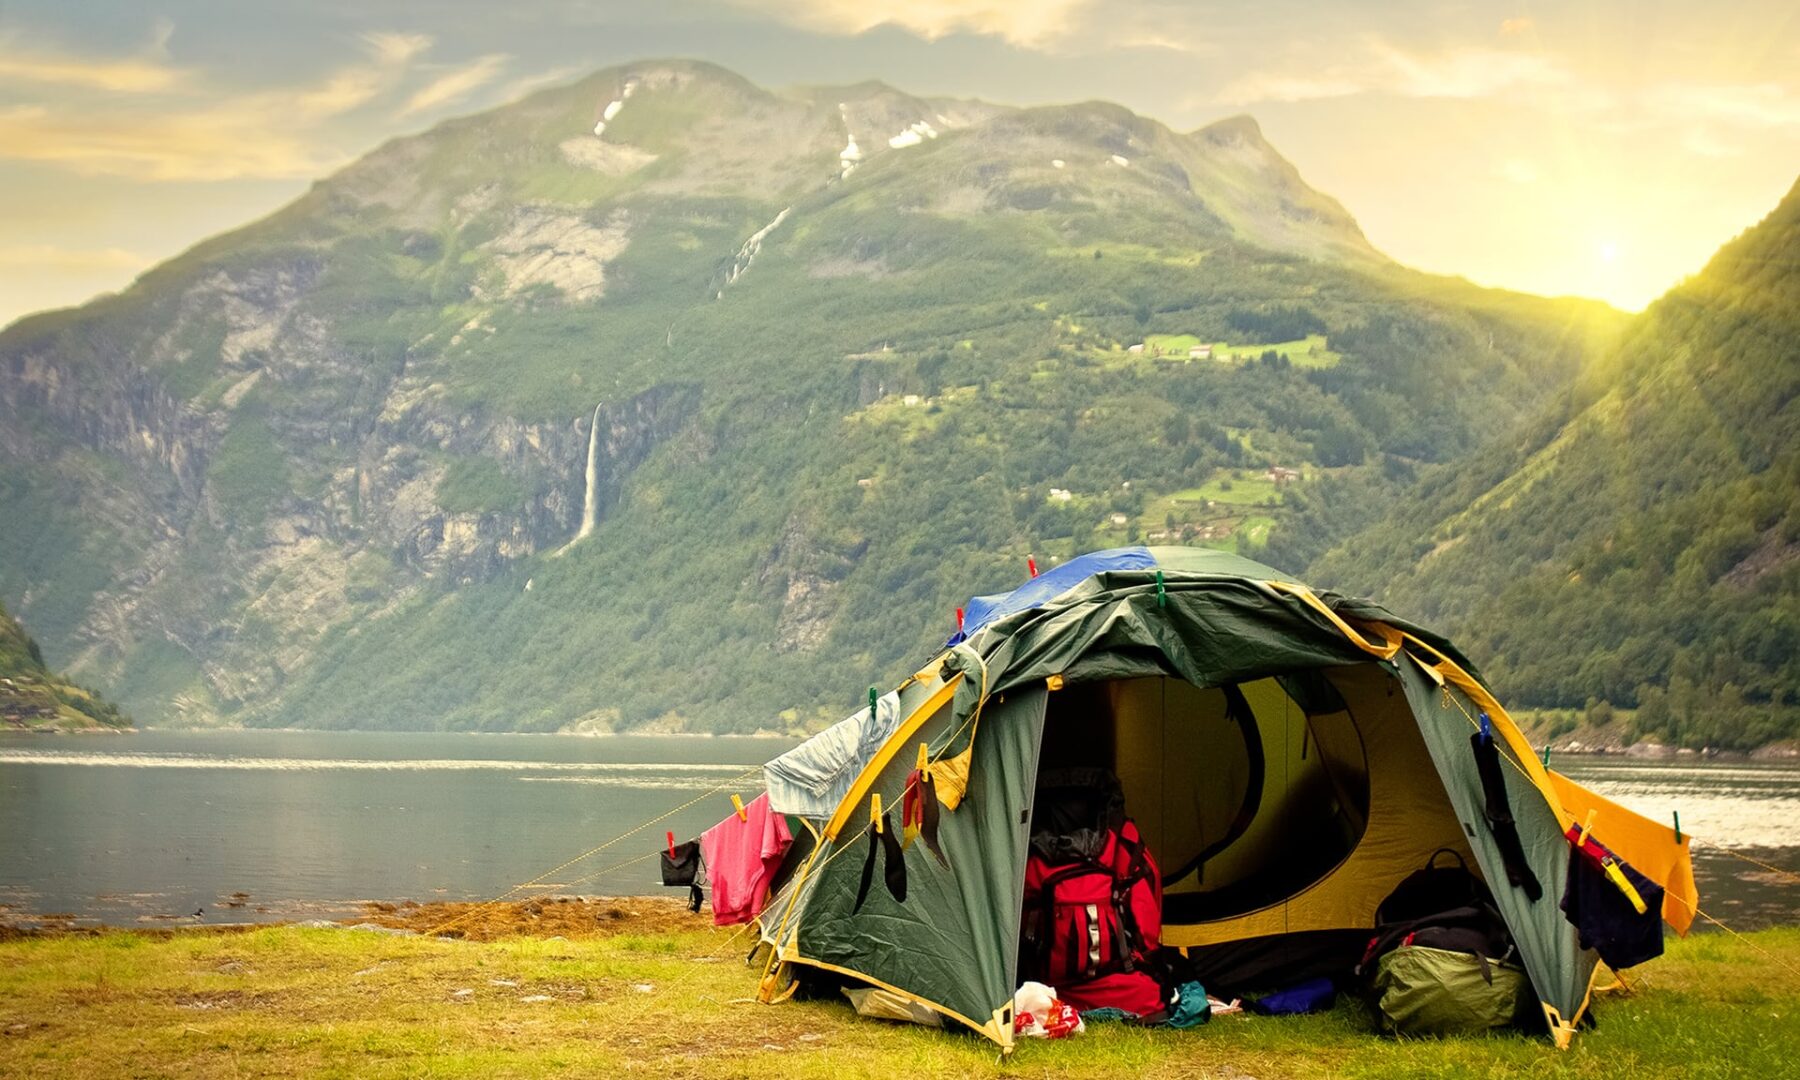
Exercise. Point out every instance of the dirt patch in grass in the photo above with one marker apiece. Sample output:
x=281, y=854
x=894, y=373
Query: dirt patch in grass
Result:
x=573, y=917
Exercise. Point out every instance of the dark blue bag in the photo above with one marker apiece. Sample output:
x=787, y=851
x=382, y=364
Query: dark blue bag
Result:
x=1313, y=995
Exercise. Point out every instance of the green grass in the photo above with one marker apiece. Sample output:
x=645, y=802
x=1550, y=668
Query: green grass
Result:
x=334, y=1003
x=1308, y=352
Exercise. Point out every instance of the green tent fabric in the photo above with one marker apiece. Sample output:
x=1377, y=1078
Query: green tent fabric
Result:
x=1206, y=618
x=1548, y=945
x=955, y=940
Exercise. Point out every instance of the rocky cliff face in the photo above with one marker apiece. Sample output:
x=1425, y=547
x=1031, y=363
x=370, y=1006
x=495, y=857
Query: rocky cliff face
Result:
x=275, y=485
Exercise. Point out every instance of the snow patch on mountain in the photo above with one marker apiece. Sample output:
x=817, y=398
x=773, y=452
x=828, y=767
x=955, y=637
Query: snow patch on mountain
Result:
x=612, y=108
x=851, y=153
x=916, y=132
x=747, y=254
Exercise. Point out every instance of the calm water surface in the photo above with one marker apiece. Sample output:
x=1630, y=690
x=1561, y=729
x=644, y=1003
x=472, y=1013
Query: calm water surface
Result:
x=151, y=828
x=137, y=828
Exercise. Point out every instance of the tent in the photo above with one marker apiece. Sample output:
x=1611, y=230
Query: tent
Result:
x=1289, y=756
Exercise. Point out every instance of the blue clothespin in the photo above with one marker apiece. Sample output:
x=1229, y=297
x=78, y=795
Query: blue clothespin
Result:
x=1487, y=728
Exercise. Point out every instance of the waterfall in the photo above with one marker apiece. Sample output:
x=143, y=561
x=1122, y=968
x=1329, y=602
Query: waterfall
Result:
x=590, y=510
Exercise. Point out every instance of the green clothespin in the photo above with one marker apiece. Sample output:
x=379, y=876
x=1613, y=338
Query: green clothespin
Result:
x=1546, y=755
x=873, y=696
x=1678, y=826
x=1161, y=597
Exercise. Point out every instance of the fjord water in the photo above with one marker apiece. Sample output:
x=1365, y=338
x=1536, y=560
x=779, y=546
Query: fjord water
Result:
x=142, y=828
x=151, y=828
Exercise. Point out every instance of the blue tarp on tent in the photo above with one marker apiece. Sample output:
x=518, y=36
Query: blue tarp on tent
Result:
x=1049, y=585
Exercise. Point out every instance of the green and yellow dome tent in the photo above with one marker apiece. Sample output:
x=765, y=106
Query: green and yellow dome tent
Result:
x=1289, y=757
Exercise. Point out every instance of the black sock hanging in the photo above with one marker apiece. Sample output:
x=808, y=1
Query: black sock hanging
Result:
x=1499, y=816
x=868, y=871
x=928, y=818
x=893, y=862
x=894, y=870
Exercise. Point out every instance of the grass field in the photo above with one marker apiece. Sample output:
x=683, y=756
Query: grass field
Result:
x=585, y=993
x=1307, y=352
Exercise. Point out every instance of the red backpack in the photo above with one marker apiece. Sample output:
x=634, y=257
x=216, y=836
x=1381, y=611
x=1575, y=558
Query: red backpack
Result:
x=1093, y=897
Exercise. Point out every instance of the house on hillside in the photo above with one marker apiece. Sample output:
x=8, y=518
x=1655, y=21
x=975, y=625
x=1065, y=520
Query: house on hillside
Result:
x=1200, y=352
x=1061, y=495
x=1282, y=476
x=1137, y=349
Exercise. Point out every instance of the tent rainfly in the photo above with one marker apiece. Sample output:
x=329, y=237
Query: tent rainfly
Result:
x=1289, y=757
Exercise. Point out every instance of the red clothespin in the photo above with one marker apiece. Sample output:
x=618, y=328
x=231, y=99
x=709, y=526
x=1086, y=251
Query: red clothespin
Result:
x=671, y=837
x=1031, y=565
x=959, y=620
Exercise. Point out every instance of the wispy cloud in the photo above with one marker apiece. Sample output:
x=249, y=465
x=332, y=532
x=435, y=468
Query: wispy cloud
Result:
x=456, y=84
x=1384, y=68
x=525, y=84
x=1032, y=23
x=224, y=143
x=394, y=48
x=184, y=130
x=149, y=72
x=1748, y=105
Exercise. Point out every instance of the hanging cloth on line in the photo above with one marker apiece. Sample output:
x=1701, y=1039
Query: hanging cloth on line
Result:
x=741, y=858
x=681, y=866
x=1499, y=816
x=1617, y=910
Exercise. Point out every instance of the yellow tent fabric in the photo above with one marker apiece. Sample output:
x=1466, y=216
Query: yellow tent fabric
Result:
x=1649, y=846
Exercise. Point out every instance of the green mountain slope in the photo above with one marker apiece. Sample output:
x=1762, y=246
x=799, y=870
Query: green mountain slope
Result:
x=33, y=697
x=1642, y=544
x=664, y=399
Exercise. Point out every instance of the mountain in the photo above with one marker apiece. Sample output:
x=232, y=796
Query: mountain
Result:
x=665, y=400
x=1640, y=546
x=34, y=698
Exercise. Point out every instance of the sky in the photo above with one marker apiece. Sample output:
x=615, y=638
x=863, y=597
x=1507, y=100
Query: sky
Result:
x=1593, y=149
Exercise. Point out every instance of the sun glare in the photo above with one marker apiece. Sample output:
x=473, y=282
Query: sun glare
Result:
x=1609, y=251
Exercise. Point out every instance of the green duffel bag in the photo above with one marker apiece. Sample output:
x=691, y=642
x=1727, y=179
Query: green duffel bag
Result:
x=1425, y=991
